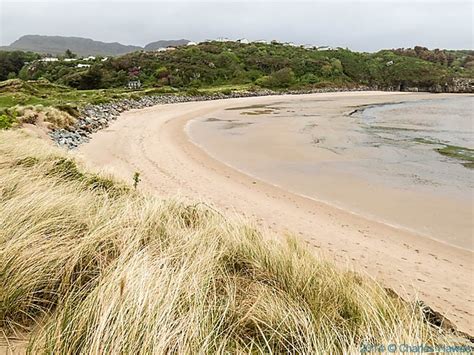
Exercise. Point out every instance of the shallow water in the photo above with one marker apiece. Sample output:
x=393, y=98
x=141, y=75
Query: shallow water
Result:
x=382, y=162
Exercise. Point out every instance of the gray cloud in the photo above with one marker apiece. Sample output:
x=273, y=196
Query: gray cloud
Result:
x=359, y=25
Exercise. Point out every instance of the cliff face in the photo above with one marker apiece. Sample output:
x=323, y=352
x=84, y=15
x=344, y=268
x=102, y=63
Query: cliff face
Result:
x=462, y=85
x=457, y=85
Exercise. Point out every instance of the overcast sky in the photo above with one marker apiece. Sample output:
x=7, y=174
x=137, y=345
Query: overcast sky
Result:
x=359, y=25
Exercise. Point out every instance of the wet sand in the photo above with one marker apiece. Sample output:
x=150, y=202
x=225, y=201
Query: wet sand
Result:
x=153, y=142
x=374, y=164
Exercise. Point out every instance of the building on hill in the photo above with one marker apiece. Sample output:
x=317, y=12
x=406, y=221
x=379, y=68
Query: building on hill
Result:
x=134, y=84
x=49, y=59
x=243, y=41
x=191, y=44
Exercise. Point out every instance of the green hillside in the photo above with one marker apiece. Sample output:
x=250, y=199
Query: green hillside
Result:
x=275, y=66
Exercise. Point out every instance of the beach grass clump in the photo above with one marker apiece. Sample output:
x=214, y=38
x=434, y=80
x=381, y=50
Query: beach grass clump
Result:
x=87, y=271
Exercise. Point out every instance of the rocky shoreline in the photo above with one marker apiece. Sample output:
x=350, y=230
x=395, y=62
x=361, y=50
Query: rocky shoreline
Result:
x=96, y=117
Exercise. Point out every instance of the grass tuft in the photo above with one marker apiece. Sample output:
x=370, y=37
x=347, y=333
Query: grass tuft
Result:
x=89, y=272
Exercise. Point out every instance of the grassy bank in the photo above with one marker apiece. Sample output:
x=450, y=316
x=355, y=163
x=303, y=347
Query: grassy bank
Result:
x=90, y=265
x=58, y=106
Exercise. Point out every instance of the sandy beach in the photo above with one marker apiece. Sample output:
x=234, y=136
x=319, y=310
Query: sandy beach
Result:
x=154, y=142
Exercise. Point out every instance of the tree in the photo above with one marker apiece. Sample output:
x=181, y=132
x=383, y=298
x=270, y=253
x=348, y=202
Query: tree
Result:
x=69, y=54
x=92, y=78
x=12, y=62
x=279, y=79
x=162, y=74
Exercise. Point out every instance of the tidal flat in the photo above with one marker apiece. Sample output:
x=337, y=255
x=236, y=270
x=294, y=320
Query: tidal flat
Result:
x=407, y=164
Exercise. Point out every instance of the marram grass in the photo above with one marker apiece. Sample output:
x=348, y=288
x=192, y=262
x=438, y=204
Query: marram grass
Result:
x=90, y=266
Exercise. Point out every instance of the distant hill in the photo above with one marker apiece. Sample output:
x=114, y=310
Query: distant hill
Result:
x=165, y=43
x=81, y=46
x=78, y=45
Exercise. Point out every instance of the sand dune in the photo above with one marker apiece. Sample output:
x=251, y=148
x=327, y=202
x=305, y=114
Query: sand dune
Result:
x=153, y=142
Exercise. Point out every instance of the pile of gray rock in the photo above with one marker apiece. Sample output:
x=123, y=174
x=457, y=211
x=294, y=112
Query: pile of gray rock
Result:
x=95, y=117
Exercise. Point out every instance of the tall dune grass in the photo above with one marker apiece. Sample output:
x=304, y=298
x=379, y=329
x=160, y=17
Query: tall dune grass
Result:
x=89, y=266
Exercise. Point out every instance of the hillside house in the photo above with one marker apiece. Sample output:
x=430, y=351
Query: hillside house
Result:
x=49, y=59
x=134, y=84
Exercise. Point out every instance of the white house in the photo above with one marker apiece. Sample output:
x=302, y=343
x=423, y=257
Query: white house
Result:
x=162, y=49
x=49, y=59
x=134, y=84
x=191, y=44
x=104, y=59
x=69, y=59
x=323, y=48
x=243, y=41
x=91, y=57
x=80, y=65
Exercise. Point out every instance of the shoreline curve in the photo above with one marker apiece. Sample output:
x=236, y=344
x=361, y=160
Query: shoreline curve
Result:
x=154, y=142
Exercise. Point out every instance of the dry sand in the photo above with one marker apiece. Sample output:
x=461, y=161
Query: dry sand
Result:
x=153, y=142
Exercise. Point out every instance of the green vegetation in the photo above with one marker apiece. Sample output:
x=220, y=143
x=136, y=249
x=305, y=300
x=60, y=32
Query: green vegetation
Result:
x=217, y=67
x=37, y=101
x=42, y=92
x=6, y=121
x=267, y=65
x=459, y=60
x=90, y=266
x=136, y=179
x=462, y=154
x=12, y=62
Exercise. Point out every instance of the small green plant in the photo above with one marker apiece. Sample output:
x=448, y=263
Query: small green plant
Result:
x=6, y=121
x=136, y=179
